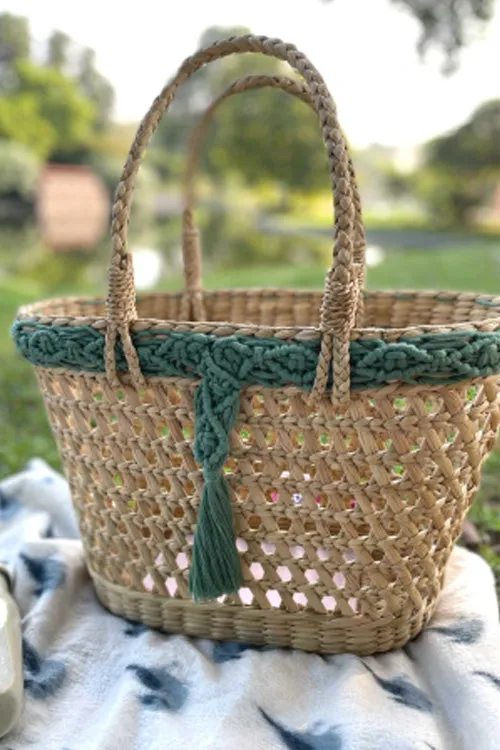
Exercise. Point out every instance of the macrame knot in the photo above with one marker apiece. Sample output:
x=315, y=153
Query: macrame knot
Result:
x=211, y=473
x=231, y=361
x=427, y=358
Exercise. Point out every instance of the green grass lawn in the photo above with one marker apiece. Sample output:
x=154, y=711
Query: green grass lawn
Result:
x=25, y=432
x=475, y=268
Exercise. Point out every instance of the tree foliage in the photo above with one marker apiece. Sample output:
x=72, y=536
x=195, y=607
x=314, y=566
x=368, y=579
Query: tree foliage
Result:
x=259, y=134
x=198, y=91
x=14, y=38
x=473, y=146
x=45, y=111
x=59, y=109
x=447, y=25
x=398, y=184
x=463, y=167
x=18, y=171
x=57, y=56
x=268, y=135
x=63, y=55
x=96, y=88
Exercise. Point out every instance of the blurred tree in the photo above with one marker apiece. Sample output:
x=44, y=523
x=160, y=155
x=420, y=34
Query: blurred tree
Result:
x=397, y=183
x=58, y=51
x=447, y=25
x=235, y=240
x=14, y=37
x=59, y=115
x=196, y=93
x=169, y=166
x=45, y=112
x=114, y=142
x=21, y=122
x=109, y=169
x=451, y=202
x=96, y=88
x=474, y=145
x=267, y=135
x=18, y=172
x=253, y=135
x=462, y=168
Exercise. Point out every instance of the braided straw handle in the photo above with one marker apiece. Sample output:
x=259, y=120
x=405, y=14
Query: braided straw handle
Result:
x=341, y=293
x=193, y=307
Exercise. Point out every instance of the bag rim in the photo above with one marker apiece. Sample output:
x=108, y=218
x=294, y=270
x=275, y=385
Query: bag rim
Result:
x=45, y=310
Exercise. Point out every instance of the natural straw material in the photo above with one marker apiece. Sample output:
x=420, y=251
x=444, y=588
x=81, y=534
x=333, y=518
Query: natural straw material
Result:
x=341, y=294
x=193, y=302
x=176, y=432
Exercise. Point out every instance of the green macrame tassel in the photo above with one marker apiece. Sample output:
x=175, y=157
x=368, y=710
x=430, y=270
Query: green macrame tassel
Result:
x=215, y=567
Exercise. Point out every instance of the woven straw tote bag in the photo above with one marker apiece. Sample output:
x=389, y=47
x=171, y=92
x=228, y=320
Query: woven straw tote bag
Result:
x=277, y=467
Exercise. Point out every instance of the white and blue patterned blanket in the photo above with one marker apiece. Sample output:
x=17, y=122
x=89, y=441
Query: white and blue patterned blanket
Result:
x=96, y=682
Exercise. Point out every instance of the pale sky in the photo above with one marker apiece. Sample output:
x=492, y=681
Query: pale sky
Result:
x=365, y=50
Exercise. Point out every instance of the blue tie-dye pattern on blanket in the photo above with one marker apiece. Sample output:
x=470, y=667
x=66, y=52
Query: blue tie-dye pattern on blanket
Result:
x=8, y=507
x=165, y=690
x=43, y=678
x=94, y=681
x=48, y=573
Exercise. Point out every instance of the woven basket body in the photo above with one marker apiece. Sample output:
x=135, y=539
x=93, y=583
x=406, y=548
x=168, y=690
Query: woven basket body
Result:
x=344, y=511
x=344, y=523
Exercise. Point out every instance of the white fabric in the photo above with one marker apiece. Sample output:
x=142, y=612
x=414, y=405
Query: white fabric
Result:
x=97, y=682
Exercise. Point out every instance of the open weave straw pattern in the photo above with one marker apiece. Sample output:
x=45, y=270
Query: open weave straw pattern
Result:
x=345, y=510
x=344, y=522
x=352, y=518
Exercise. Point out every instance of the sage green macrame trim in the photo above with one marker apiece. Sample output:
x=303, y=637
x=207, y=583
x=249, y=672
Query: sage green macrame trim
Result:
x=425, y=359
x=225, y=365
